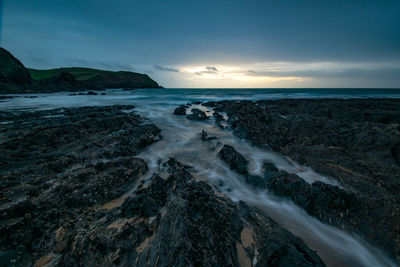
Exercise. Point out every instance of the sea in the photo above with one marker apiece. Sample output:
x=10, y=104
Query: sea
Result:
x=181, y=140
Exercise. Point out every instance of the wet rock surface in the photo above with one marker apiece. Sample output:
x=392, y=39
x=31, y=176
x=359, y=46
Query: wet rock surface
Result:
x=354, y=141
x=234, y=159
x=198, y=115
x=66, y=178
x=205, y=137
x=175, y=220
x=181, y=110
x=57, y=168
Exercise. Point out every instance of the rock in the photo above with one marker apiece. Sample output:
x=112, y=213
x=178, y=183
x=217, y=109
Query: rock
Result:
x=197, y=114
x=103, y=93
x=195, y=224
x=204, y=136
x=153, y=221
x=238, y=163
x=395, y=151
x=2, y=97
x=271, y=172
x=353, y=140
x=60, y=169
x=15, y=257
x=218, y=117
x=91, y=93
x=181, y=110
x=234, y=159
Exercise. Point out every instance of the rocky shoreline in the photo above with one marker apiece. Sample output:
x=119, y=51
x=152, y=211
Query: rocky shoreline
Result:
x=355, y=141
x=57, y=168
x=65, y=174
x=75, y=192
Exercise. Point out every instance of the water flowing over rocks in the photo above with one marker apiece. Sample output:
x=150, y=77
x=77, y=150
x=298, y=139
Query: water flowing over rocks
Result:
x=65, y=178
x=347, y=210
x=197, y=114
x=101, y=186
x=57, y=167
x=353, y=141
x=177, y=221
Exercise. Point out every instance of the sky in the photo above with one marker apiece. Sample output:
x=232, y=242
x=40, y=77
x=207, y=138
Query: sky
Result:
x=213, y=43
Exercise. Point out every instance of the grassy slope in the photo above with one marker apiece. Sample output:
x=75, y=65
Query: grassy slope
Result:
x=81, y=74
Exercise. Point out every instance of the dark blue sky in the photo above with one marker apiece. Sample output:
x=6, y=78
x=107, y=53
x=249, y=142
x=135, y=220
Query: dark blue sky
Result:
x=214, y=43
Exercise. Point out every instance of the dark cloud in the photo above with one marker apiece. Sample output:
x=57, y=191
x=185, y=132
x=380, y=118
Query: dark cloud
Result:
x=212, y=69
x=162, y=68
x=116, y=66
x=1, y=20
x=209, y=70
x=201, y=33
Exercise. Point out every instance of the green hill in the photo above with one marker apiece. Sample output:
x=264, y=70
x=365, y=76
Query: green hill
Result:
x=15, y=78
x=80, y=74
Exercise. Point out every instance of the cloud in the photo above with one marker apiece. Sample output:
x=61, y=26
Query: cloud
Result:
x=212, y=69
x=115, y=66
x=360, y=73
x=162, y=68
x=206, y=70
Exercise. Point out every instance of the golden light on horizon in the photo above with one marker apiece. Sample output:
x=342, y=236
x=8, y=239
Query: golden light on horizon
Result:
x=234, y=73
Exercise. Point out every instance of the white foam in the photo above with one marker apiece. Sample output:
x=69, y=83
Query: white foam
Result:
x=181, y=140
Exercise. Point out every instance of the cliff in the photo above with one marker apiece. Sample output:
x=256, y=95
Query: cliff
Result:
x=15, y=78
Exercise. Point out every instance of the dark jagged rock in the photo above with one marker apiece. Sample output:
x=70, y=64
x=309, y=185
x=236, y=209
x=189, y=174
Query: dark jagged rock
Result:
x=205, y=137
x=181, y=110
x=57, y=168
x=197, y=114
x=239, y=163
x=355, y=141
x=176, y=221
x=271, y=172
x=344, y=209
x=92, y=93
x=338, y=207
x=6, y=97
x=234, y=159
x=218, y=117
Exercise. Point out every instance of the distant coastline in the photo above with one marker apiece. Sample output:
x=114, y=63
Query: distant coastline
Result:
x=15, y=78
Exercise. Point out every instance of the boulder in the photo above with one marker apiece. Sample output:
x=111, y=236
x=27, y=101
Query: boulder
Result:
x=205, y=137
x=234, y=159
x=181, y=110
x=197, y=114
